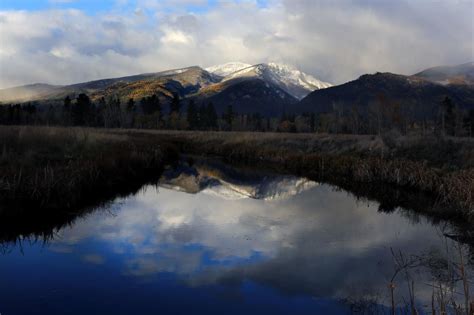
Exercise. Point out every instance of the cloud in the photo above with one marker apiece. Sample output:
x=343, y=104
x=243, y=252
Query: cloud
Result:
x=335, y=41
x=304, y=245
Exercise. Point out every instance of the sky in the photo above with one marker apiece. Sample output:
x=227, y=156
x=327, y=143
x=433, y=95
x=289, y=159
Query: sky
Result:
x=70, y=41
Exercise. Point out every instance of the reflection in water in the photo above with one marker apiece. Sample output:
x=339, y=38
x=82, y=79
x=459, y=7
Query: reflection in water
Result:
x=215, y=178
x=213, y=243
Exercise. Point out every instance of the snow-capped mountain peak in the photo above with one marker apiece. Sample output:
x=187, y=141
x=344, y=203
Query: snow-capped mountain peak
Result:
x=227, y=68
x=286, y=77
x=292, y=75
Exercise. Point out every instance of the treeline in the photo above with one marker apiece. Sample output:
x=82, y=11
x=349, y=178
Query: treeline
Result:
x=151, y=113
x=148, y=113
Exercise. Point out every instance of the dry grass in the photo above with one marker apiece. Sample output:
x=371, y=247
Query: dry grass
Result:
x=61, y=169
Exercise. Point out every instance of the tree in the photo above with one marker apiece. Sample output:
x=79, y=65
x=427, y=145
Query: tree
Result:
x=469, y=122
x=130, y=105
x=151, y=105
x=81, y=111
x=112, y=113
x=192, y=116
x=448, y=119
x=129, y=117
x=312, y=122
x=211, y=117
x=229, y=116
x=258, y=121
x=471, y=119
x=174, y=114
x=29, y=113
x=203, y=122
x=67, y=110
x=175, y=105
x=354, y=120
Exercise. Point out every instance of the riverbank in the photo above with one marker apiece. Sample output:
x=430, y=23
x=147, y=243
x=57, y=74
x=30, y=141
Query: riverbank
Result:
x=441, y=170
x=64, y=169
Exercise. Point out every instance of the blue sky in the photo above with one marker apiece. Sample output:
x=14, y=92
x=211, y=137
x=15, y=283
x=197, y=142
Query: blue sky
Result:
x=31, y=5
x=96, y=6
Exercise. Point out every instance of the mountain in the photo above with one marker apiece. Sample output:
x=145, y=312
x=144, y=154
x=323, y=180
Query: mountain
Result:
x=247, y=95
x=269, y=89
x=287, y=78
x=456, y=75
x=417, y=97
x=27, y=92
x=227, y=68
x=181, y=81
x=272, y=89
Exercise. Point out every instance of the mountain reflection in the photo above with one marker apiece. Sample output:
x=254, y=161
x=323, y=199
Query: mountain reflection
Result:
x=319, y=242
x=216, y=178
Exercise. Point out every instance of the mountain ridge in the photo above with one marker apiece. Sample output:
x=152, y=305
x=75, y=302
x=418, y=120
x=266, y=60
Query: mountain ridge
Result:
x=270, y=89
x=289, y=78
x=414, y=95
x=446, y=75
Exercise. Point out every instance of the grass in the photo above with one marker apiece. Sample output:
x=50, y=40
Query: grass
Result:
x=59, y=169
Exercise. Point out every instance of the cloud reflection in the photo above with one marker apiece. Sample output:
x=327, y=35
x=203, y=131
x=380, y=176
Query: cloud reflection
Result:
x=321, y=242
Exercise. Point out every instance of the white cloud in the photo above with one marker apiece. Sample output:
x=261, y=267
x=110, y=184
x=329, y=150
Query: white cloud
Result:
x=176, y=37
x=333, y=40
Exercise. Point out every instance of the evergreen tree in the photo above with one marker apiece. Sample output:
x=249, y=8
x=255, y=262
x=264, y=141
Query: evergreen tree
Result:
x=175, y=105
x=129, y=117
x=100, y=112
x=131, y=105
x=211, y=117
x=470, y=118
x=312, y=122
x=67, y=110
x=151, y=105
x=192, y=116
x=203, y=118
x=229, y=116
x=67, y=103
x=81, y=111
x=449, y=116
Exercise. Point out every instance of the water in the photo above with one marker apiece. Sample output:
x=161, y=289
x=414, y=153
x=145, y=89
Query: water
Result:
x=211, y=240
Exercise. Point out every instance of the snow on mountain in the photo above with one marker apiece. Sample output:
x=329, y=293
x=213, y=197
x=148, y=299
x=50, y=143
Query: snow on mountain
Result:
x=227, y=68
x=288, y=78
x=291, y=75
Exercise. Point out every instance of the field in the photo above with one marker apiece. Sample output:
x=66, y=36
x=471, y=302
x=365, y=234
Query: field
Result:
x=61, y=169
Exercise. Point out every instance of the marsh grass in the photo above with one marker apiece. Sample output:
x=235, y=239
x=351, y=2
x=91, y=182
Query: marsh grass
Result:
x=59, y=169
